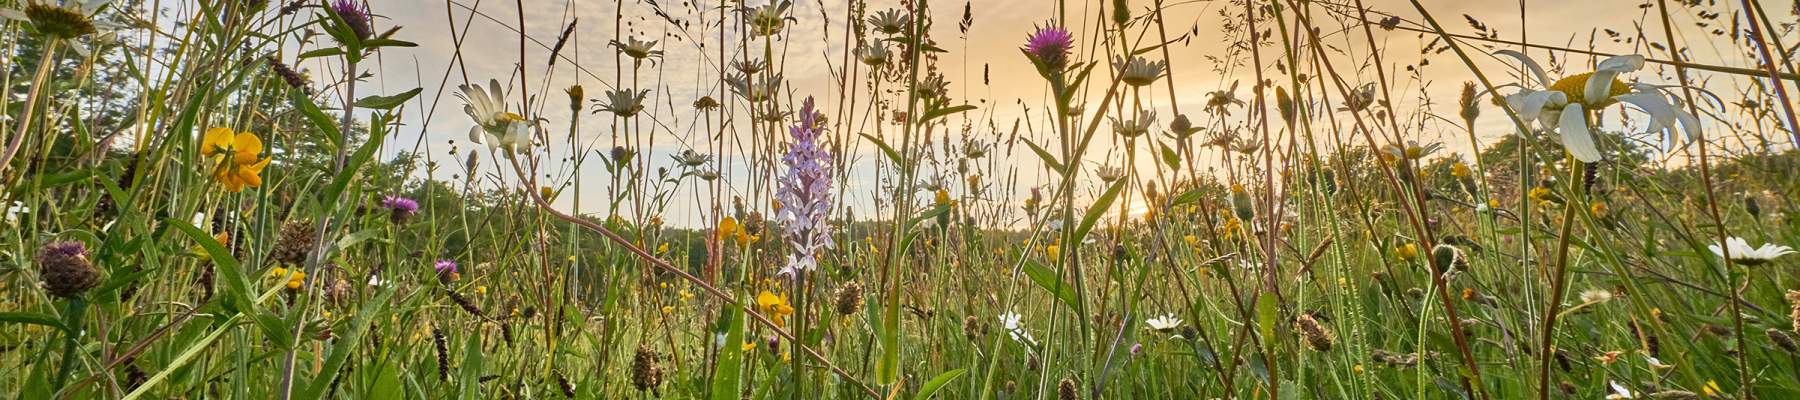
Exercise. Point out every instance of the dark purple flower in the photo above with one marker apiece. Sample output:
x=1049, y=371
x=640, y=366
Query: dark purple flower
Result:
x=1136, y=348
x=400, y=208
x=805, y=193
x=1050, y=45
x=445, y=267
x=355, y=15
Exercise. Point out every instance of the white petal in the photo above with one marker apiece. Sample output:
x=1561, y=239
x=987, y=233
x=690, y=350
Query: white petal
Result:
x=1621, y=64
x=496, y=94
x=1662, y=115
x=1530, y=65
x=475, y=134
x=1598, y=86
x=1575, y=135
x=1689, y=124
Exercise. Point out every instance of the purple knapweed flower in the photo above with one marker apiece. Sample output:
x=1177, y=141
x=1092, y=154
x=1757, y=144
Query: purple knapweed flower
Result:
x=805, y=193
x=1050, y=45
x=445, y=267
x=400, y=208
x=355, y=15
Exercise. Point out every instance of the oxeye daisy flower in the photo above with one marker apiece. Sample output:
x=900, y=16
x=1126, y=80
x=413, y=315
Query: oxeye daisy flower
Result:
x=1109, y=174
x=494, y=126
x=65, y=20
x=805, y=193
x=1165, y=324
x=754, y=90
x=1139, y=71
x=1218, y=101
x=1565, y=103
x=769, y=19
x=638, y=50
x=1050, y=46
x=874, y=55
x=1132, y=128
x=890, y=21
x=1743, y=254
x=235, y=158
x=624, y=103
x=690, y=158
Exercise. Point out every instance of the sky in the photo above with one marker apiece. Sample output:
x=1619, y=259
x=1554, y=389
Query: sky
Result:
x=812, y=47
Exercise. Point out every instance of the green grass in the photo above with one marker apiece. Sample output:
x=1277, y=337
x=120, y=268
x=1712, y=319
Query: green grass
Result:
x=1341, y=230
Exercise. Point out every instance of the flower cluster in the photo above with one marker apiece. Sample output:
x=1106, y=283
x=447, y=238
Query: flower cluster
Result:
x=805, y=193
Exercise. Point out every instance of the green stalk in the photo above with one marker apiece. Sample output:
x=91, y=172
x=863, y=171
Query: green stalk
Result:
x=72, y=323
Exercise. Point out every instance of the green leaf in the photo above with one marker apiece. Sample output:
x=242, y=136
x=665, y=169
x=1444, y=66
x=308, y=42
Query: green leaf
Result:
x=1098, y=209
x=237, y=285
x=367, y=151
x=1048, y=280
x=324, y=52
x=385, y=42
x=316, y=117
x=31, y=318
x=343, y=346
x=931, y=387
x=944, y=112
x=725, y=378
x=186, y=356
x=1049, y=160
x=1265, y=316
x=470, y=378
x=892, y=155
x=388, y=102
x=1170, y=157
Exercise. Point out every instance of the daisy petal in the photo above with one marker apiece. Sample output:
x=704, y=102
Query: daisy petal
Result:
x=1575, y=135
x=1530, y=65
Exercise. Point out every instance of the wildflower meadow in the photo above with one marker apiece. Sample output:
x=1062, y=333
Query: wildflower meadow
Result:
x=887, y=199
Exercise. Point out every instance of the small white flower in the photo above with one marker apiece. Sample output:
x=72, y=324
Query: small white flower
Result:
x=1742, y=253
x=1015, y=326
x=1619, y=391
x=376, y=281
x=1164, y=323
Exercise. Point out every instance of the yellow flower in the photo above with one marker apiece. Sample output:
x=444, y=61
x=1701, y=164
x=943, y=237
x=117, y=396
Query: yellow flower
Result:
x=1407, y=252
x=974, y=182
x=775, y=306
x=481, y=290
x=234, y=155
x=278, y=272
x=1599, y=209
x=293, y=284
x=1459, y=170
x=748, y=346
x=1711, y=388
x=727, y=227
x=1052, y=250
x=1192, y=241
x=943, y=197
x=668, y=309
x=662, y=248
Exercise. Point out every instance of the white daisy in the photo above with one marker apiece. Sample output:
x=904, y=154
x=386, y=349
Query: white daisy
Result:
x=1564, y=104
x=1743, y=254
x=494, y=126
x=1164, y=323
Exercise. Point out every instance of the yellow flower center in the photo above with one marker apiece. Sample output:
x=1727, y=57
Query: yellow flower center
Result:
x=1574, y=85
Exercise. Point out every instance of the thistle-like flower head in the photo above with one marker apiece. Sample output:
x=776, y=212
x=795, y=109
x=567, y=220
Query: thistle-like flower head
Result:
x=355, y=16
x=1050, y=45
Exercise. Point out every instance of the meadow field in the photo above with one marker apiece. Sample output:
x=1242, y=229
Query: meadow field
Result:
x=888, y=199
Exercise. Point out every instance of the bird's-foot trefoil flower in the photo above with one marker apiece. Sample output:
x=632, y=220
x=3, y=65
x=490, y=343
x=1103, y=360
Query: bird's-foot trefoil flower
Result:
x=236, y=158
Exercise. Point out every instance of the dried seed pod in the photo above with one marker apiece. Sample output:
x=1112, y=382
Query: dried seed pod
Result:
x=295, y=241
x=443, y=353
x=1316, y=335
x=66, y=270
x=645, y=373
x=849, y=298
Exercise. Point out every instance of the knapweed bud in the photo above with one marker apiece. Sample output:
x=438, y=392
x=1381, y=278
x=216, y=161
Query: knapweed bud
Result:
x=66, y=270
x=1316, y=335
x=1066, y=390
x=645, y=373
x=1241, y=205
